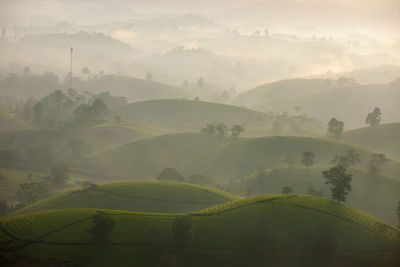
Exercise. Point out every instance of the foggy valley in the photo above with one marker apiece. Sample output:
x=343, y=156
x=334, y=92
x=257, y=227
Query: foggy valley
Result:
x=212, y=133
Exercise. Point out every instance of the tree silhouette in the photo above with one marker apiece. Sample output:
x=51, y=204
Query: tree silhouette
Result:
x=170, y=174
x=374, y=117
x=340, y=180
x=335, y=127
x=236, y=130
x=287, y=190
x=102, y=229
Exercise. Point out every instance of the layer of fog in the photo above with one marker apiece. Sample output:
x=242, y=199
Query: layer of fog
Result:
x=232, y=46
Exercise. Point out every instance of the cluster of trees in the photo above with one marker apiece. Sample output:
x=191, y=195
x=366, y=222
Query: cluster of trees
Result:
x=61, y=109
x=39, y=188
x=335, y=127
x=294, y=124
x=221, y=129
x=16, y=86
x=340, y=179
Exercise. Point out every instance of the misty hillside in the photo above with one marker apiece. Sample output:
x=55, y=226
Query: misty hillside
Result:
x=188, y=133
x=132, y=89
x=225, y=158
x=145, y=196
x=190, y=114
x=350, y=104
x=384, y=138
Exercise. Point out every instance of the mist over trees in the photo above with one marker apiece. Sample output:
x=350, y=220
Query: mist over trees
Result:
x=335, y=128
x=374, y=117
x=186, y=133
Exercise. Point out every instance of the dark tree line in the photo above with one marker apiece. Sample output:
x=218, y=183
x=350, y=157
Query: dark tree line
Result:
x=221, y=129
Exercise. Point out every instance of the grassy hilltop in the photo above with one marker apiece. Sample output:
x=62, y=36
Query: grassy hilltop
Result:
x=240, y=158
x=145, y=196
x=132, y=88
x=219, y=157
x=377, y=195
x=384, y=138
x=350, y=103
x=276, y=230
x=180, y=114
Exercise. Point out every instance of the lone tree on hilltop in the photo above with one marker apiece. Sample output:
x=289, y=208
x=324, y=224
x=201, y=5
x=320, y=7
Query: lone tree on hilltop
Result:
x=340, y=180
x=335, y=127
x=170, y=174
x=307, y=158
x=374, y=117
x=236, y=130
x=102, y=229
x=287, y=190
x=376, y=163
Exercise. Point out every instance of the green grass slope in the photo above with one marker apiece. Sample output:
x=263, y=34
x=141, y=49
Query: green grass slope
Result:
x=282, y=89
x=377, y=195
x=38, y=147
x=8, y=122
x=239, y=159
x=146, y=196
x=131, y=88
x=279, y=230
x=225, y=158
x=179, y=114
x=384, y=138
x=146, y=158
x=349, y=104
x=107, y=135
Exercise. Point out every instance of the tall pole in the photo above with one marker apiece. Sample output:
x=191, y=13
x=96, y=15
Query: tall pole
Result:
x=70, y=71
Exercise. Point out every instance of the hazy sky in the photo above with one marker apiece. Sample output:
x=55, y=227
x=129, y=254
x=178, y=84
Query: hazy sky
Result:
x=379, y=16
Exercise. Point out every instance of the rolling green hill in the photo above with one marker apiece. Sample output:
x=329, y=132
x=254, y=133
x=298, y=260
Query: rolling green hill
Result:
x=279, y=230
x=146, y=158
x=384, y=138
x=146, y=196
x=240, y=158
x=179, y=114
x=377, y=195
x=282, y=89
x=38, y=147
x=131, y=88
x=226, y=158
x=107, y=135
x=349, y=104
x=8, y=122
